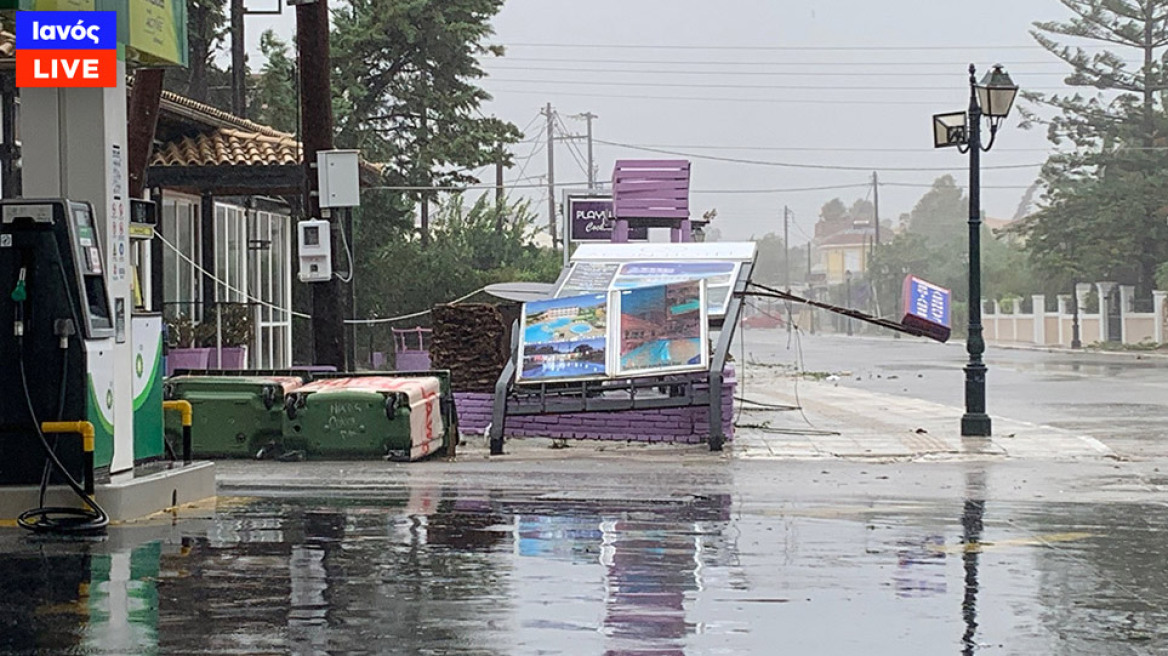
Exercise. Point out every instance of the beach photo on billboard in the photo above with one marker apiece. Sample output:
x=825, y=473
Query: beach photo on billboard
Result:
x=661, y=329
x=564, y=339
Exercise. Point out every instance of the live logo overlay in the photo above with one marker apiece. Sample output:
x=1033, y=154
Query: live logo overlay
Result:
x=66, y=49
x=926, y=308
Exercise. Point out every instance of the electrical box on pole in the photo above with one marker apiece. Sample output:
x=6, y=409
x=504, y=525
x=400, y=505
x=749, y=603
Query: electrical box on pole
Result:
x=338, y=177
x=315, y=248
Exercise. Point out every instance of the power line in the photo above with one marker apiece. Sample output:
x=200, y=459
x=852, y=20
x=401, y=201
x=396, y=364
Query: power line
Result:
x=721, y=99
x=455, y=188
x=794, y=165
x=708, y=62
x=902, y=74
x=691, y=47
x=787, y=190
x=922, y=185
x=784, y=87
x=528, y=127
x=573, y=148
x=816, y=149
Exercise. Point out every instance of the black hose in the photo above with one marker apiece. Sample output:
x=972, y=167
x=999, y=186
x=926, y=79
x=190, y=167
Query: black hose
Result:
x=61, y=520
x=60, y=417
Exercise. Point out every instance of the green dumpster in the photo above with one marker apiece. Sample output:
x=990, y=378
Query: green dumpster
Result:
x=400, y=416
x=234, y=416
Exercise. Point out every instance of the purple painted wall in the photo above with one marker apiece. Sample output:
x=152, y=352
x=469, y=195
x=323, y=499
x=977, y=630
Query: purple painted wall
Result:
x=676, y=425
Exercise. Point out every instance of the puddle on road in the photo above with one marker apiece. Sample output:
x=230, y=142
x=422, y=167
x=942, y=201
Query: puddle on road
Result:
x=439, y=573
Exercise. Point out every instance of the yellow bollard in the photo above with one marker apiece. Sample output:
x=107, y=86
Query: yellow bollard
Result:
x=183, y=407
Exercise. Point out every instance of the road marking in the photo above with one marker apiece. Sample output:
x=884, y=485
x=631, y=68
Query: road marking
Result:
x=1036, y=541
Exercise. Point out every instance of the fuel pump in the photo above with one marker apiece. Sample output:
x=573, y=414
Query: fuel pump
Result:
x=57, y=332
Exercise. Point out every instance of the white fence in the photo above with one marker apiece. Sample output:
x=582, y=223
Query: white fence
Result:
x=1005, y=322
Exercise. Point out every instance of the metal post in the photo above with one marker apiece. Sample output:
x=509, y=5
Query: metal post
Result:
x=567, y=231
x=811, y=310
x=975, y=422
x=1076, y=342
x=238, y=59
x=848, y=293
x=786, y=248
x=502, y=389
x=9, y=169
x=351, y=294
x=499, y=201
x=551, y=140
x=425, y=209
x=876, y=204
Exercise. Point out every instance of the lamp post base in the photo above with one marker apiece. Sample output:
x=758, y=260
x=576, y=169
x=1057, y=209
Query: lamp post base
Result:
x=976, y=425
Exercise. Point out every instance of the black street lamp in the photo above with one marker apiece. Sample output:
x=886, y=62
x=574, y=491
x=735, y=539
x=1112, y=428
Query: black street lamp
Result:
x=992, y=98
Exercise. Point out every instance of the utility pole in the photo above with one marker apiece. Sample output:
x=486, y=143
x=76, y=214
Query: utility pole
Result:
x=810, y=292
x=551, y=174
x=786, y=247
x=588, y=116
x=425, y=197
x=238, y=61
x=499, y=199
x=316, y=111
x=876, y=204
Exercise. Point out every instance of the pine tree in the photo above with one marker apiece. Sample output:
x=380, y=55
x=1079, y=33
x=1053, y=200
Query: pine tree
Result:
x=1103, y=214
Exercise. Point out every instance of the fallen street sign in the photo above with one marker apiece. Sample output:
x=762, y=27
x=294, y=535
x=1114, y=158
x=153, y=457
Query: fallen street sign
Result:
x=926, y=308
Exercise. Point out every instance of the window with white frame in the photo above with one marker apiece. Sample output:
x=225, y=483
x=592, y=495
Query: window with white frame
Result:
x=180, y=257
x=231, y=253
x=269, y=247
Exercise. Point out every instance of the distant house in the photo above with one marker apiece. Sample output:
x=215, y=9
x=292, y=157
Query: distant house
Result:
x=846, y=252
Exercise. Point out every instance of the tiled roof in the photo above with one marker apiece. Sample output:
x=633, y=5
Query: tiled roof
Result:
x=214, y=116
x=231, y=140
x=228, y=147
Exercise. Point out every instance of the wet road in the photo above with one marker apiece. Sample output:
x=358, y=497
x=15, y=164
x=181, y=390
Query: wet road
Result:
x=656, y=555
x=1120, y=399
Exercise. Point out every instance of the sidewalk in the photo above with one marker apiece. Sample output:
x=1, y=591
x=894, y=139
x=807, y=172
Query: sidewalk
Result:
x=836, y=422
x=844, y=422
x=1018, y=346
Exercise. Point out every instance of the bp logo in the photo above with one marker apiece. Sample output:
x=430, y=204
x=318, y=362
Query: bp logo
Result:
x=109, y=399
x=139, y=365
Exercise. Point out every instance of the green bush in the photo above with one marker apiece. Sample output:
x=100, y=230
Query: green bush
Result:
x=1162, y=276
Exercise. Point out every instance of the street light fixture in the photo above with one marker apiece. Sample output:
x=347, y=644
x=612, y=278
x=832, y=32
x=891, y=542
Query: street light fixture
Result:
x=992, y=99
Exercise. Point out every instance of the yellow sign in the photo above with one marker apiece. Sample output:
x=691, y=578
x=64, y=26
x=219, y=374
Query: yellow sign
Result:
x=154, y=29
x=66, y=5
x=141, y=231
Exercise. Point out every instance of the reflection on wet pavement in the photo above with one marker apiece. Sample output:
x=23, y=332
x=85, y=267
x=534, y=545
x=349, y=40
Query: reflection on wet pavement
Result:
x=438, y=570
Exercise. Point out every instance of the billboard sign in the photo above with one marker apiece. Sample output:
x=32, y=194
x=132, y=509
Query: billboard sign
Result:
x=661, y=328
x=719, y=278
x=592, y=219
x=564, y=339
x=927, y=307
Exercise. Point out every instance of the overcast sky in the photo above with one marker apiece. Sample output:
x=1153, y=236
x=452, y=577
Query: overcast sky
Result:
x=813, y=83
